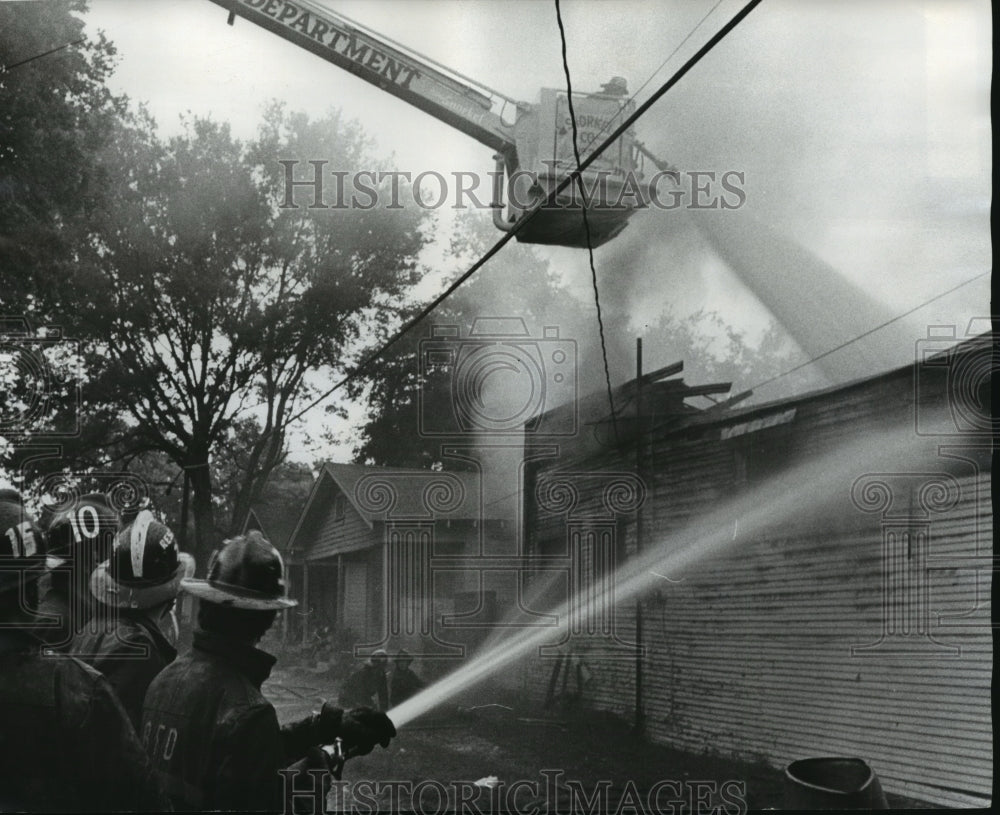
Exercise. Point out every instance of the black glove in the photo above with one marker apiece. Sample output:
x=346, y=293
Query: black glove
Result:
x=360, y=728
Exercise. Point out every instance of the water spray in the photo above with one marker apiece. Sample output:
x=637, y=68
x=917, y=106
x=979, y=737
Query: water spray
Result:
x=803, y=490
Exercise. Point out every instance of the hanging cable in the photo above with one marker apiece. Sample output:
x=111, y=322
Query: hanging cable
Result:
x=586, y=224
x=4, y=68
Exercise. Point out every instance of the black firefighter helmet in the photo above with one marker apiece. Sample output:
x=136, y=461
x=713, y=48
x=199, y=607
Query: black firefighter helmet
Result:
x=22, y=552
x=146, y=566
x=84, y=531
x=246, y=572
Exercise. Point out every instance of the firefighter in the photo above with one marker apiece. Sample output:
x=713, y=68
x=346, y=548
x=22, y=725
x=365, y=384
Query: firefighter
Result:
x=367, y=685
x=403, y=683
x=66, y=743
x=210, y=732
x=140, y=581
x=80, y=537
x=618, y=86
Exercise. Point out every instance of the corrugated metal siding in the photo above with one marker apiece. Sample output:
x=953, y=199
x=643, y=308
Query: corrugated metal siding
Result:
x=751, y=655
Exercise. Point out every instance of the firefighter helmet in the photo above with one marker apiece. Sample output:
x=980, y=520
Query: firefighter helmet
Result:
x=145, y=568
x=22, y=547
x=618, y=86
x=10, y=495
x=246, y=572
x=87, y=527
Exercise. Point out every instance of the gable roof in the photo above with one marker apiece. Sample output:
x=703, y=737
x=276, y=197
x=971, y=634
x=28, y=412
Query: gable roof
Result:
x=275, y=524
x=388, y=493
x=276, y=513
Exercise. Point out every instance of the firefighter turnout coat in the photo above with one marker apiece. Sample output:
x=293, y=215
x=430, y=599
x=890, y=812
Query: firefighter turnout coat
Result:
x=66, y=743
x=213, y=737
x=129, y=655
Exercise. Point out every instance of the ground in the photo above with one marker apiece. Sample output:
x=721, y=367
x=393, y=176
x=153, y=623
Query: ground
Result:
x=438, y=759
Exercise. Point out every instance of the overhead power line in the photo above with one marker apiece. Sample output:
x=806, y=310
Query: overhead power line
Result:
x=869, y=332
x=39, y=56
x=586, y=222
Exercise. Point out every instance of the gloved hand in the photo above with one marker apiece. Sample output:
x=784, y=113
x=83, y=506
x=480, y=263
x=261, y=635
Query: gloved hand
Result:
x=360, y=728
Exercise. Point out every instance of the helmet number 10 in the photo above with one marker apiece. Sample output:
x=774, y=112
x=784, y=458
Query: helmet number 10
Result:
x=86, y=524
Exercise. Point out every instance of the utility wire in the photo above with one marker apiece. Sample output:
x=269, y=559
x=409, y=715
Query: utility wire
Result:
x=586, y=223
x=4, y=68
x=527, y=216
x=868, y=332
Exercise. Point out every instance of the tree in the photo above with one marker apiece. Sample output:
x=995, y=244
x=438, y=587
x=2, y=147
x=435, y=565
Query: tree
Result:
x=56, y=113
x=202, y=302
x=283, y=496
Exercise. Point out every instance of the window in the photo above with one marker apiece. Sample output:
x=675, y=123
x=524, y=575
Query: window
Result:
x=339, y=507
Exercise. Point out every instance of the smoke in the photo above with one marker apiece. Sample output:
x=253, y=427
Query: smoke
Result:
x=814, y=302
x=859, y=131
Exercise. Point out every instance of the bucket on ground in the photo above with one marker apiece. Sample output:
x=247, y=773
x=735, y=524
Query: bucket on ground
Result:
x=832, y=783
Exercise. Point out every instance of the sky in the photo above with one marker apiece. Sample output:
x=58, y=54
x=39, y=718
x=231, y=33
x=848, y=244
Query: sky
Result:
x=861, y=127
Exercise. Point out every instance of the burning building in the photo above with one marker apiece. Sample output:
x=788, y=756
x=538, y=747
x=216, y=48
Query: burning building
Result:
x=795, y=602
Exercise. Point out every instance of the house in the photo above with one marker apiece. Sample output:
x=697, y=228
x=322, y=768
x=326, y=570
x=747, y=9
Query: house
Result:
x=381, y=558
x=815, y=586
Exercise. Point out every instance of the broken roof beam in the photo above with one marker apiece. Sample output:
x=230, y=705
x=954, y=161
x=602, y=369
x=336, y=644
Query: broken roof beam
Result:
x=704, y=390
x=654, y=376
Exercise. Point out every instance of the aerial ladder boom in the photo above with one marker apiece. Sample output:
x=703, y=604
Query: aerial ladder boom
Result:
x=468, y=106
x=533, y=142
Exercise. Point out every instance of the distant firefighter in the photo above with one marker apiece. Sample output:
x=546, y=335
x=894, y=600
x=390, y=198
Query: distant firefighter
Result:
x=367, y=685
x=140, y=583
x=403, y=683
